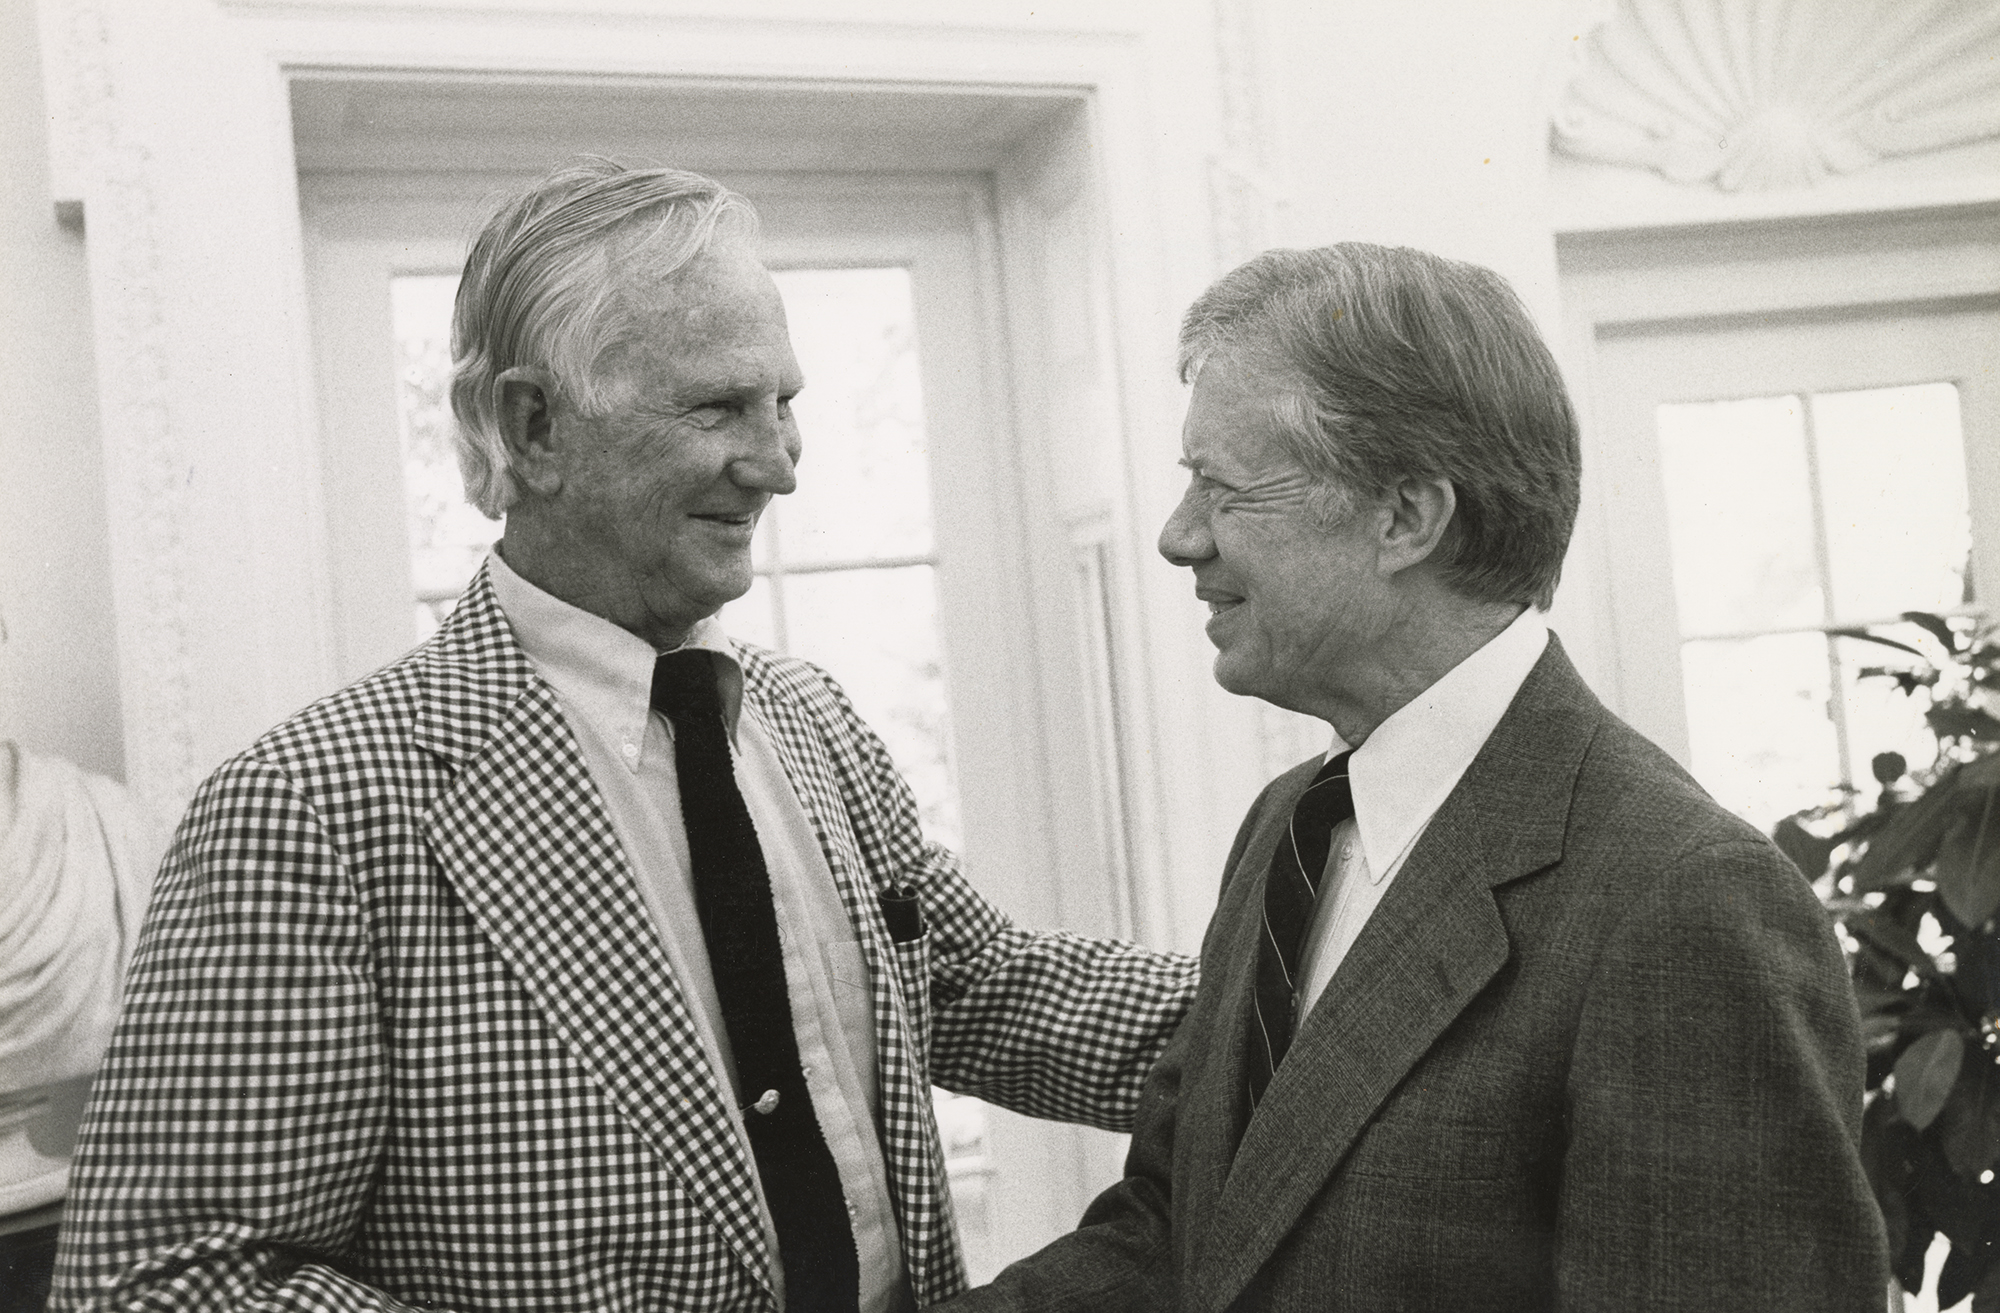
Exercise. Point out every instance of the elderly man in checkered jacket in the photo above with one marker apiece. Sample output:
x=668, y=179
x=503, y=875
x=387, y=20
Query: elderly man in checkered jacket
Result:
x=583, y=959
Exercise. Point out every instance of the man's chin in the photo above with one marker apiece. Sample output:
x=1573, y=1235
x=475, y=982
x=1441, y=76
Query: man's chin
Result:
x=1236, y=675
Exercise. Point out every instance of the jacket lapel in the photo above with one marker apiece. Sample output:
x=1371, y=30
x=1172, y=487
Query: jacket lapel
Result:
x=1214, y=1092
x=912, y=1155
x=524, y=838
x=1431, y=946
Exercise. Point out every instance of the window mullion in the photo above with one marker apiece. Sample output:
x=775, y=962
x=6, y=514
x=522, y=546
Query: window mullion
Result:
x=1823, y=563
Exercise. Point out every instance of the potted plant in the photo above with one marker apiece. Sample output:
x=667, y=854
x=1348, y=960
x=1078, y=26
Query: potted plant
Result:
x=1914, y=882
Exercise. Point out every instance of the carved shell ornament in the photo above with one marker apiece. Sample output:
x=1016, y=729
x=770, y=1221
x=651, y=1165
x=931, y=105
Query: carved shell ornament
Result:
x=1762, y=94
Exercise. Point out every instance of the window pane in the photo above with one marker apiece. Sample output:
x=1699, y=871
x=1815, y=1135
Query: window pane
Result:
x=864, y=480
x=1761, y=738
x=1892, y=470
x=1739, y=512
x=448, y=538
x=876, y=632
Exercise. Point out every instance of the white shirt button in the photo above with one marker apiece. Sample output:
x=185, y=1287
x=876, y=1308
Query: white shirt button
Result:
x=631, y=752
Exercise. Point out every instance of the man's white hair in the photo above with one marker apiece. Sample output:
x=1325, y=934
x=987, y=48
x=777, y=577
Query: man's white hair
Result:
x=541, y=287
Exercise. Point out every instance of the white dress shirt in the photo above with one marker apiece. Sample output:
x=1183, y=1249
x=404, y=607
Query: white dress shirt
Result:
x=603, y=677
x=1400, y=777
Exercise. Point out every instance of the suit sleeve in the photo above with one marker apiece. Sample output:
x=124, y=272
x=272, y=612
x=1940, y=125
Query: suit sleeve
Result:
x=1050, y=1024
x=1120, y=1259
x=235, y=1124
x=1714, y=1100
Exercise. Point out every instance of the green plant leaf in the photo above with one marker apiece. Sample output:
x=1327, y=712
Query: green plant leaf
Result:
x=1885, y=1159
x=1908, y=839
x=1967, y=869
x=1925, y=1074
x=1906, y=681
x=1969, y=1125
x=1935, y=626
x=1959, y=722
x=1866, y=637
x=1982, y=772
x=1960, y=1275
x=1808, y=851
x=1894, y=938
x=1986, y=1299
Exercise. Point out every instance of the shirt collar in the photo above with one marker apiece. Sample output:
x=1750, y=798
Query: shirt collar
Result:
x=1406, y=769
x=604, y=673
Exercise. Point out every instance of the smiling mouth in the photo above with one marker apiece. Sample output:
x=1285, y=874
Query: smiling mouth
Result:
x=741, y=520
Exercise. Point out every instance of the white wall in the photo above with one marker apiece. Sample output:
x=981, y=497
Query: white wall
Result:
x=58, y=665
x=1418, y=124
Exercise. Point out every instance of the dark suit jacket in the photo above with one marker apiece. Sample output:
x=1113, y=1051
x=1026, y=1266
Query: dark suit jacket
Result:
x=1596, y=1049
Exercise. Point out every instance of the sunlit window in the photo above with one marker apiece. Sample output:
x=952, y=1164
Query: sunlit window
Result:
x=1792, y=516
x=846, y=573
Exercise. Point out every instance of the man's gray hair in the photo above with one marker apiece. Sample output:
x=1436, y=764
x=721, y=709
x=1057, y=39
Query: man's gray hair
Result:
x=1406, y=365
x=541, y=289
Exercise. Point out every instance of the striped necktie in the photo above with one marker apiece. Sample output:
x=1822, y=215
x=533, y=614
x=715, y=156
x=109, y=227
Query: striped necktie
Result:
x=1291, y=891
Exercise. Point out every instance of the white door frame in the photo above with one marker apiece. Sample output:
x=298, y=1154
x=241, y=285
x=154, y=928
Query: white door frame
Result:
x=171, y=134
x=1621, y=284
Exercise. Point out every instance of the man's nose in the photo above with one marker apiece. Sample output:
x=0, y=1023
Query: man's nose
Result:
x=1184, y=538
x=770, y=463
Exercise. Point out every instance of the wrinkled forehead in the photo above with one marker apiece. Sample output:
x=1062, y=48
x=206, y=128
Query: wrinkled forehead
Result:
x=725, y=279
x=716, y=323
x=1233, y=415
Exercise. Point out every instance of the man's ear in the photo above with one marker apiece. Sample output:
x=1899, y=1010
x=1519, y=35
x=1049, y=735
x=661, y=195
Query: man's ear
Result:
x=1417, y=515
x=524, y=399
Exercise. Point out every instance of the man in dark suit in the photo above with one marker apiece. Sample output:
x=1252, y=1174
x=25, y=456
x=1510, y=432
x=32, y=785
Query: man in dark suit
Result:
x=584, y=960
x=1498, y=1010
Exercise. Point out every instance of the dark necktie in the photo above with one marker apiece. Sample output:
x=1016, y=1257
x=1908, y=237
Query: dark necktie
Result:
x=1291, y=891
x=732, y=893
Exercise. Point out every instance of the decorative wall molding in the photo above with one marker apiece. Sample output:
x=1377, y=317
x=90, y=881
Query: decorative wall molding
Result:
x=1758, y=95
x=1244, y=195
x=95, y=165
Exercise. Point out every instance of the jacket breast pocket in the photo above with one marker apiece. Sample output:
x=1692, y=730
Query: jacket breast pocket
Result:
x=1423, y=1141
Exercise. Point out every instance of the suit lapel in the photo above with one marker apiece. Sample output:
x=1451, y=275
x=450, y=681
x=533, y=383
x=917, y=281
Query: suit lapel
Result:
x=1214, y=1093
x=524, y=838
x=1431, y=946
x=912, y=1155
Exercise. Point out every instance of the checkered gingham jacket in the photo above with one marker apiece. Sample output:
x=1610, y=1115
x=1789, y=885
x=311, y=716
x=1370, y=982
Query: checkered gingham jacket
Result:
x=400, y=1032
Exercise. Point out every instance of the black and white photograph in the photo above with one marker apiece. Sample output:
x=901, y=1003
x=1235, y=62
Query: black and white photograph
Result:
x=1000, y=656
